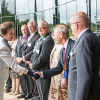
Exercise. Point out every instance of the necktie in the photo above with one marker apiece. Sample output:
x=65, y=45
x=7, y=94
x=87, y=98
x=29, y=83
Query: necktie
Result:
x=23, y=38
x=65, y=66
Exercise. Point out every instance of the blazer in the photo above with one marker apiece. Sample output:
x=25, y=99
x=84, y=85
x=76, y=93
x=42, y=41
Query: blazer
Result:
x=40, y=60
x=83, y=77
x=7, y=61
x=19, y=48
x=29, y=45
x=60, y=66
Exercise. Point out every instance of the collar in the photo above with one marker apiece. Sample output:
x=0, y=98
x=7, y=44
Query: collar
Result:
x=65, y=46
x=5, y=40
x=82, y=32
x=44, y=35
x=33, y=33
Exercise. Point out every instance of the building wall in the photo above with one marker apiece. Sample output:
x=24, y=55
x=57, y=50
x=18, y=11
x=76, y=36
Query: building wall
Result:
x=53, y=11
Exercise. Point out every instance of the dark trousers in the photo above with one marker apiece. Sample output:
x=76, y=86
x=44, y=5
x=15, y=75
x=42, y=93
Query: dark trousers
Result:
x=35, y=94
x=8, y=83
x=25, y=85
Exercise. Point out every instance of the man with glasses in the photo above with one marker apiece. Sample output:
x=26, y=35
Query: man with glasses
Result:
x=83, y=77
x=41, y=57
x=27, y=52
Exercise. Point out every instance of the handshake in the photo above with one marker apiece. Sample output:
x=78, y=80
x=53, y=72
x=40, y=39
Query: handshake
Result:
x=35, y=76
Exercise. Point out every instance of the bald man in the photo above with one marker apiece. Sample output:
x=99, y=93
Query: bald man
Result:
x=84, y=63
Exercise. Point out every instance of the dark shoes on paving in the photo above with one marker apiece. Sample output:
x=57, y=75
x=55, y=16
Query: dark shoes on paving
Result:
x=8, y=90
x=21, y=96
x=25, y=97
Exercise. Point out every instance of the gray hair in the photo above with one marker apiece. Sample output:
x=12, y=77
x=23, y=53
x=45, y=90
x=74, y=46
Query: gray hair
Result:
x=62, y=28
x=46, y=24
x=34, y=23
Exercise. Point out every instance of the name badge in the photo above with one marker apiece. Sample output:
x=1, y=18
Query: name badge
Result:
x=29, y=44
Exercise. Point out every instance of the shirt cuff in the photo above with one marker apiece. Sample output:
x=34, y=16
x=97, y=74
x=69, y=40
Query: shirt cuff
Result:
x=42, y=74
x=65, y=75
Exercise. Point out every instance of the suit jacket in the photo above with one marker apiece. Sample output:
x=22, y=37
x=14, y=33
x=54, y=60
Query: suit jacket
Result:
x=40, y=61
x=19, y=48
x=60, y=66
x=83, y=77
x=28, y=49
x=7, y=61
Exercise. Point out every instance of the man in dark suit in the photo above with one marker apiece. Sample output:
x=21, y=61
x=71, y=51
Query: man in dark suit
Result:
x=83, y=79
x=27, y=52
x=40, y=58
x=61, y=36
x=25, y=89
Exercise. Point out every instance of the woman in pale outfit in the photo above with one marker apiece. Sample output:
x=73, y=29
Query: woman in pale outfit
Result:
x=56, y=92
x=14, y=75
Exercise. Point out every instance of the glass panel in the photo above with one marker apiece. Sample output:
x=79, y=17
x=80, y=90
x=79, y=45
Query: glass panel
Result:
x=98, y=15
x=7, y=7
x=48, y=16
x=22, y=6
x=39, y=18
x=38, y=5
x=31, y=5
x=31, y=17
x=53, y=3
x=61, y=2
x=0, y=9
x=10, y=7
x=93, y=15
x=71, y=9
x=63, y=14
x=81, y=6
x=23, y=19
x=46, y=4
x=8, y=19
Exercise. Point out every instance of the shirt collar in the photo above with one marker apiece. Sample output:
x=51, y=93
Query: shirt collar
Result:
x=82, y=32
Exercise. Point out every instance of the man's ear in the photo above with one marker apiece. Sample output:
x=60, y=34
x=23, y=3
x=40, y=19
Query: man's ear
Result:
x=61, y=34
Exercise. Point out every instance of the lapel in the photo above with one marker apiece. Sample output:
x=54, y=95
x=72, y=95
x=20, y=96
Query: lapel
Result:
x=33, y=37
x=21, y=44
x=68, y=49
x=5, y=43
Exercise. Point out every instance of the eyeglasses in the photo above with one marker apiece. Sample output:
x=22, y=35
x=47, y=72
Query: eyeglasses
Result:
x=41, y=28
x=73, y=23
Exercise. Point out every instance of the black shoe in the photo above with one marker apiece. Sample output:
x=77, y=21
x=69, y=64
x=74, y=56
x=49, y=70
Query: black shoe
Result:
x=27, y=97
x=8, y=90
x=21, y=96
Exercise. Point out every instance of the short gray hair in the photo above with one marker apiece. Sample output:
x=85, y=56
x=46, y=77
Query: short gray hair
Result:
x=46, y=24
x=34, y=23
x=62, y=28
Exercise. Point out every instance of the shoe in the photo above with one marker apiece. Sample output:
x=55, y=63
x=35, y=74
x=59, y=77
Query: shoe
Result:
x=11, y=93
x=8, y=90
x=21, y=96
x=16, y=93
x=27, y=97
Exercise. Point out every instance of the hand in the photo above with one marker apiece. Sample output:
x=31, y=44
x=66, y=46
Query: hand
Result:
x=34, y=76
x=24, y=59
x=30, y=65
x=64, y=83
x=19, y=60
x=25, y=72
x=39, y=73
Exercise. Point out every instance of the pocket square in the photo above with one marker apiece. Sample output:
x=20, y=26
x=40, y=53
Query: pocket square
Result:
x=36, y=76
